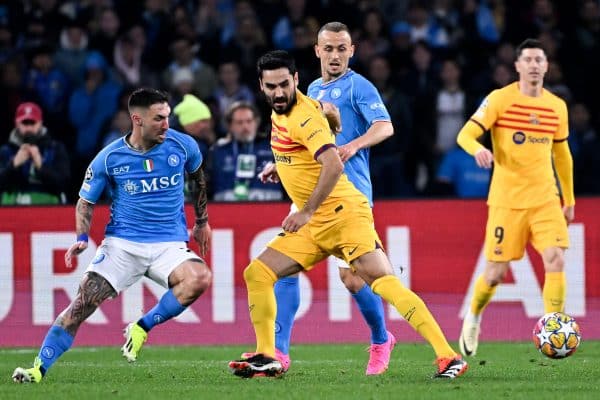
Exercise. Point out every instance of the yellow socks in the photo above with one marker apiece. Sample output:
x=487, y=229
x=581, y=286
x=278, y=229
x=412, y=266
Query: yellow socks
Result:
x=554, y=292
x=414, y=311
x=482, y=294
x=260, y=280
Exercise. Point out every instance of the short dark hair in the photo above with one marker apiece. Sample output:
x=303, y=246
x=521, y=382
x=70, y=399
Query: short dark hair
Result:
x=529, y=44
x=334, y=27
x=145, y=97
x=239, y=105
x=274, y=60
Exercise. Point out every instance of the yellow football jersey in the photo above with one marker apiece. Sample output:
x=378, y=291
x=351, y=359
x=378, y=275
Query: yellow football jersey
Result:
x=297, y=139
x=523, y=131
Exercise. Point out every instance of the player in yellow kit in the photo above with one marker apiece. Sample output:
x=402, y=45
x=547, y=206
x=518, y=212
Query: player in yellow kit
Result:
x=333, y=218
x=529, y=127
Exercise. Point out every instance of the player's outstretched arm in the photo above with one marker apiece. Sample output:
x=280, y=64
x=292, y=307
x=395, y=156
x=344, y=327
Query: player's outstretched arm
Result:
x=83, y=219
x=563, y=163
x=201, y=232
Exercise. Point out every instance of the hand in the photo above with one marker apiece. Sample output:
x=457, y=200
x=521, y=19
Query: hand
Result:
x=332, y=113
x=295, y=220
x=36, y=157
x=269, y=173
x=347, y=151
x=22, y=155
x=569, y=213
x=75, y=249
x=484, y=158
x=202, y=235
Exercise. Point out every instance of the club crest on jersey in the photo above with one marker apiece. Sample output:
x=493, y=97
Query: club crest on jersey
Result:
x=148, y=165
x=519, y=137
x=336, y=92
x=173, y=160
x=534, y=119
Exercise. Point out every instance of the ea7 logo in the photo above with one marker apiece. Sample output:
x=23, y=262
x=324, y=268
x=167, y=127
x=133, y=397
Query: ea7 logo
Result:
x=160, y=183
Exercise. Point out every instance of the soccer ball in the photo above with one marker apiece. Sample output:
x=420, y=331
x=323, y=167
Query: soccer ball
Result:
x=556, y=335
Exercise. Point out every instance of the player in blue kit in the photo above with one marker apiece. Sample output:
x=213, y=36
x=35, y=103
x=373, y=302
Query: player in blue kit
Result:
x=147, y=232
x=365, y=122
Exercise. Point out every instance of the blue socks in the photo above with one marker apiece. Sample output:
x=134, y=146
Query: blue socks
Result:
x=56, y=342
x=371, y=307
x=167, y=308
x=287, y=296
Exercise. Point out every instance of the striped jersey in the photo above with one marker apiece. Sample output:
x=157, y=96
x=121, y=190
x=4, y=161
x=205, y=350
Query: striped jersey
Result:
x=523, y=131
x=297, y=140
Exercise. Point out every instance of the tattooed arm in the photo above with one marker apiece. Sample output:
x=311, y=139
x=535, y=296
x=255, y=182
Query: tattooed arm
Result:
x=83, y=218
x=201, y=231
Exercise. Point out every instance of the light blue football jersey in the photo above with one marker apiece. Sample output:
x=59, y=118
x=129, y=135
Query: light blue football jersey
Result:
x=360, y=106
x=146, y=187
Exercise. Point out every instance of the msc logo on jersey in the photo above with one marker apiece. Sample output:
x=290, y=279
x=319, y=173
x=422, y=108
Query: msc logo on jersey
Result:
x=173, y=160
x=336, y=92
x=151, y=185
x=519, y=137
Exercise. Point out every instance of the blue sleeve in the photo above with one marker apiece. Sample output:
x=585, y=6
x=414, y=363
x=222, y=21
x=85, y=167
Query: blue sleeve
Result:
x=194, y=155
x=312, y=91
x=446, y=170
x=95, y=179
x=368, y=101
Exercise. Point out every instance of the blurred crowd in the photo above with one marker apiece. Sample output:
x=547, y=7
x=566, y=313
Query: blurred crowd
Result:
x=433, y=61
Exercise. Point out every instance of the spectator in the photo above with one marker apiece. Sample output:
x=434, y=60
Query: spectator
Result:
x=104, y=39
x=34, y=168
x=195, y=119
x=91, y=108
x=70, y=57
x=51, y=87
x=205, y=79
x=119, y=127
x=235, y=161
x=230, y=89
x=127, y=59
x=460, y=176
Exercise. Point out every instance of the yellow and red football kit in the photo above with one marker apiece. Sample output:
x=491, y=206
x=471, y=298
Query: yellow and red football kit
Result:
x=343, y=223
x=529, y=142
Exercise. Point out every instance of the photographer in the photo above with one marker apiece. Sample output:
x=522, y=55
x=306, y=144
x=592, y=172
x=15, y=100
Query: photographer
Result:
x=34, y=168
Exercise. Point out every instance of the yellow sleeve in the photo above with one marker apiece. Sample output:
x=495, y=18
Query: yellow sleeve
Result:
x=467, y=137
x=563, y=164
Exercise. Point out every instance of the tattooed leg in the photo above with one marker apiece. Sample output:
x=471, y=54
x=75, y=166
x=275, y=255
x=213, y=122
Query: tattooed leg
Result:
x=93, y=290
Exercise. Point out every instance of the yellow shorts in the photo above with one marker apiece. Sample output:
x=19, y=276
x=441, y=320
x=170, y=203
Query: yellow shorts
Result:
x=508, y=230
x=349, y=234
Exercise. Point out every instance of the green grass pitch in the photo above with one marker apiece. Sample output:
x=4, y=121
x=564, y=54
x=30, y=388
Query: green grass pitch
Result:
x=500, y=371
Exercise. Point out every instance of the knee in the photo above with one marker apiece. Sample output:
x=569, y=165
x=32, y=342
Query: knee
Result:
x=199, y=280
x=554, y=260
x=258, y=272
x=495, y=273
x=352, y=281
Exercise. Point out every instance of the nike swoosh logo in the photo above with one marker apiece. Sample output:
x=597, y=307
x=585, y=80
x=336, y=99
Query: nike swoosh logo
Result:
x=305, y=122
x=468, y=352
x=352, y=251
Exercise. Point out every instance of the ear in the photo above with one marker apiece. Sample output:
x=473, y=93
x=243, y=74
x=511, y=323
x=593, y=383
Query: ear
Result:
x=317, y=51
x=296, y=78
